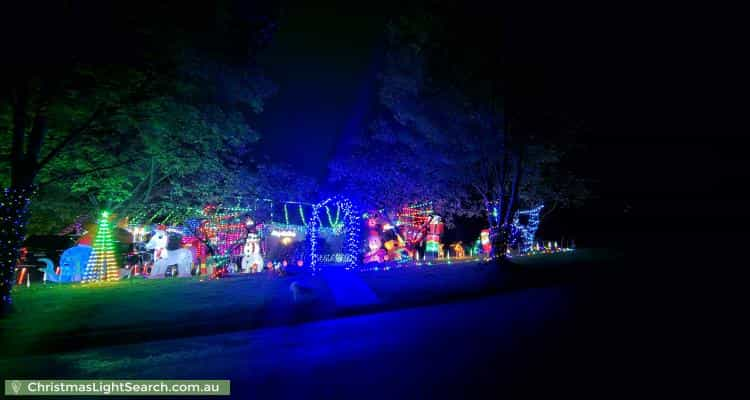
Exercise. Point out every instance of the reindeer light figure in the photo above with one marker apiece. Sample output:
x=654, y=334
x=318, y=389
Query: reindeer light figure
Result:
x=458, y=248
x=163, y=258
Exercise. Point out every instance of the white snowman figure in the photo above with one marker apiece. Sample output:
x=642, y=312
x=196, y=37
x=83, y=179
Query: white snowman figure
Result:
x=252, y=260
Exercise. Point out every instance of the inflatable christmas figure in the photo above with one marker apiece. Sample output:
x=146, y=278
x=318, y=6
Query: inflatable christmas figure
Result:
x=72, y=262
x=484, y=238
x=376, y=253
x=163, y=257
x=252, y=260
x=397, y=250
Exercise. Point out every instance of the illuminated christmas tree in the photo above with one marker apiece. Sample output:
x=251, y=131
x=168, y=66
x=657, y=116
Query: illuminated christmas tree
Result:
x=102, y=265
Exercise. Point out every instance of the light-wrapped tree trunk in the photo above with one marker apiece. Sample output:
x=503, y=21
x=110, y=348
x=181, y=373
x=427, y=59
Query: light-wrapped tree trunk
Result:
x=14, y=214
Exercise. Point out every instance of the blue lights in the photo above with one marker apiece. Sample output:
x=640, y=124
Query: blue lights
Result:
x=528, y=231
x=351, y=246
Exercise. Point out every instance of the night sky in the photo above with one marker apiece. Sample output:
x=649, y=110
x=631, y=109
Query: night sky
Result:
x=324, y=60
x=591, y=67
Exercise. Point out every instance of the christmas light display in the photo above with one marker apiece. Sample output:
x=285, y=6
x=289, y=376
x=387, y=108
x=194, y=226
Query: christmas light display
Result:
x=458, y=250
x=163, y=257
x=493, y=208
x=73, y=261
x=528, y=230
x=412, y=222
x=302, y=215
x=102, y=264
x=333, y=258
x=376, y=253
x=283, y=233
x=14, y=213
x=300, y=211
x=484, y=237
x=139, y=232
x=433, y=247
x=397, y=250
x=335, y=224
x=222, y=233
x=252, y=260
x=350, y=229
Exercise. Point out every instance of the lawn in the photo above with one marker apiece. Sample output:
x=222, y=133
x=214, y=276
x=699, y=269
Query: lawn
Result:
x=65, y=317
x=58, y=318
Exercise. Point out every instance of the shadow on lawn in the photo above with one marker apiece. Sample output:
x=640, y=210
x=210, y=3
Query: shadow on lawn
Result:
x=66, y=319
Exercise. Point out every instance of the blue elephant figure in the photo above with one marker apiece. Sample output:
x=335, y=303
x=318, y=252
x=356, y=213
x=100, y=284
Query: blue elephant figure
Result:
x=72, y=265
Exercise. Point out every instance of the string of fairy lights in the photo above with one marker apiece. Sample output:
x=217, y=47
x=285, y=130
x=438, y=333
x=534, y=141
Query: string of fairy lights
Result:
x=528, y=230
x=14, y=213
x=226, y=229
x=351, y=222
x=102, y=264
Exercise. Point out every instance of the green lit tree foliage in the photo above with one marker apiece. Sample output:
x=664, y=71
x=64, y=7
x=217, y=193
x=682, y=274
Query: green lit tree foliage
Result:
x=129, y=104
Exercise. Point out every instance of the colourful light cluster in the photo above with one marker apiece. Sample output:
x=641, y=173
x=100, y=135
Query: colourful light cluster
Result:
x=412, y=222
x=415, y=214
x=224, y=228
x=102, y=264
x=351, y=230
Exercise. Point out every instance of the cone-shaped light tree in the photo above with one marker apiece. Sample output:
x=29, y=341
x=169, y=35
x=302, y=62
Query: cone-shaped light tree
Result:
x=102, y=265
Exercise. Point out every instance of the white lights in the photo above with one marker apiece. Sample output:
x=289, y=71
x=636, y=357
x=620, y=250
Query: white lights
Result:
x=284, y=234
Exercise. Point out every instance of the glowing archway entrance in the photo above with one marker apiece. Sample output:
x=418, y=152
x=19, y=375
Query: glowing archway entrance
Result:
x=349, y=229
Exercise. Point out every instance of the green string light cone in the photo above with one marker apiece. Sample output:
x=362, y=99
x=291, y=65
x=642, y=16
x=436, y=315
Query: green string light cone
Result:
x=102, y=265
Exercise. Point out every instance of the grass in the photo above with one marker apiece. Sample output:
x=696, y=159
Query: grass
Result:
x=583, y=256
x=65, y=317
x=59, y=318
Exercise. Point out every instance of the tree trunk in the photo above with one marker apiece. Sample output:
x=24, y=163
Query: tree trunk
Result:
x=500, y=225
x=14, y=214
x=15, y=200
x=498, y=239
x=494, y=213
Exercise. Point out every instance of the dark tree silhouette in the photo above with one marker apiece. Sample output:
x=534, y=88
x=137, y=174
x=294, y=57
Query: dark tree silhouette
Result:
x=455, y=127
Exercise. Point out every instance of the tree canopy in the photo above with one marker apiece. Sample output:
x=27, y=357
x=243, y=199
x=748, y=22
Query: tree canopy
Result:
x=454, y=126
x=159, y=117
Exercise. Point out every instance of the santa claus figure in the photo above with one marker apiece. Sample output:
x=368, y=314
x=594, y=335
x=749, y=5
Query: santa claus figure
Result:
x=485, y=240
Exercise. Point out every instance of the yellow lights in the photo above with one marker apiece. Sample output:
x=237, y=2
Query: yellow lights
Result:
x=286, y=241
x=139, y=233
